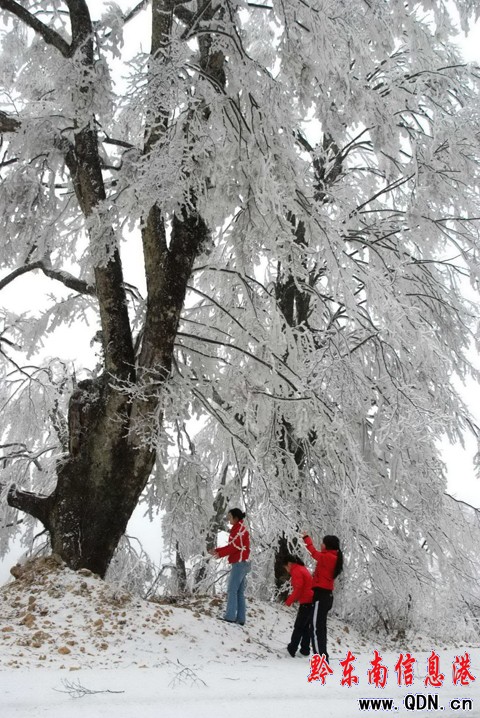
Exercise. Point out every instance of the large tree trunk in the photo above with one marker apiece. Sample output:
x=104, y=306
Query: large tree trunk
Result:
x=98, y=483
x=108, y=464
x=97, y=486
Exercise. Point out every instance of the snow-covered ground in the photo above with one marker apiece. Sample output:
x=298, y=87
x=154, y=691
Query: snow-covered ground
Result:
x=70, y=645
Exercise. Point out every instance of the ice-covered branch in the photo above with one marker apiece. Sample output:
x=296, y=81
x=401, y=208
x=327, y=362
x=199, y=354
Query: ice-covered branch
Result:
x=78, y=285
x=244, y=351
x=463, y=503
x=49, y=35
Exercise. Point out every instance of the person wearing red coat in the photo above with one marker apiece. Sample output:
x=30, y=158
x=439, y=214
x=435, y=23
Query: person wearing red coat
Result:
x=302, y=592
x=329, y=565
x=237, y=552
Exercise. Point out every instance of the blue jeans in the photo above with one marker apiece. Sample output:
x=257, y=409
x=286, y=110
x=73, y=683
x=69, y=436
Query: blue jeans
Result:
x=235, y=610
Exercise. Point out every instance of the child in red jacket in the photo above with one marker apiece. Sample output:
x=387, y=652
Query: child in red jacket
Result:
x=302, y=592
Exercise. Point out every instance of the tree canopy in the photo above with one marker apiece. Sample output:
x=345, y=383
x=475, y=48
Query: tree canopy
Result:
x=266, y=214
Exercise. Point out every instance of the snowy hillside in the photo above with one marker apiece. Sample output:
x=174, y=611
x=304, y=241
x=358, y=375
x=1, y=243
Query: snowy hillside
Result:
x=64, y=619
x=72, y=645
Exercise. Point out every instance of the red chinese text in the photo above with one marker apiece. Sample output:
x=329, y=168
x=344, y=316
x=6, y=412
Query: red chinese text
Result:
x=378, y=674
x=461, y=670
x=404, y=668
x=434, y=677
x=319, y=669
x=348, y=678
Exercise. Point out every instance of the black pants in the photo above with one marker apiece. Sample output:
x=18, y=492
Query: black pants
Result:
x=302, y=629
x=322, y=603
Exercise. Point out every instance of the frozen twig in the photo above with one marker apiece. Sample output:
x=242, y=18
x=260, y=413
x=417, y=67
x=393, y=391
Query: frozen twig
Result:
x=76, y=690
x=185, y=676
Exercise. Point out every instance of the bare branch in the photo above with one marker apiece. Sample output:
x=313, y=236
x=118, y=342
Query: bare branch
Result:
x=119, y=143
x=184, y=15
x=194, y=18
x=76, y=690
x=78, y=285
x=134, y=11
x=6, y=163
x=8, y=123
x=18, y=273
x=463, y=503
x=82, y=29
x=10, y=526
x=36, y=505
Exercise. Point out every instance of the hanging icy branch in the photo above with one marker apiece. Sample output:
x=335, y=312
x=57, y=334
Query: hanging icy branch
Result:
x=460, y=502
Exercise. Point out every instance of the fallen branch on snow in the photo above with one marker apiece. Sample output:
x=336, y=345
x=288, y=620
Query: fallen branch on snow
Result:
x=76, y=690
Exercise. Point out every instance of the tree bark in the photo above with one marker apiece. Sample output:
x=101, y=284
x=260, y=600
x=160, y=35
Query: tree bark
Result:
x=108, y=464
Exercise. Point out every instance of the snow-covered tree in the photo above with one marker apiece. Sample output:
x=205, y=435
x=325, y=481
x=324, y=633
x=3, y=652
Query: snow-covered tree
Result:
x=300, y=183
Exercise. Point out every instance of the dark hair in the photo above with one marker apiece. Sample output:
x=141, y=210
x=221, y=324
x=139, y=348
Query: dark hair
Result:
x=290, y=558
x=333, y=544
x=236, y=514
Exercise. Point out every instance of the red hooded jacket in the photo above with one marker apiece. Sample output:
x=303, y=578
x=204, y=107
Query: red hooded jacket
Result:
x=301, y=585
x=238, y=547
x=325, y=568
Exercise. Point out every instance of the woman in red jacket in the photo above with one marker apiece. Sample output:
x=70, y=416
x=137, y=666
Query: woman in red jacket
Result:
x=238, y=553
x=301, y=579
x=329, y=565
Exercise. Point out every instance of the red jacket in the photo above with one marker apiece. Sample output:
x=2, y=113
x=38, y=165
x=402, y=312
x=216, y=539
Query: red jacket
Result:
x=238, y=547
x=325, y=568
x=301, y=585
